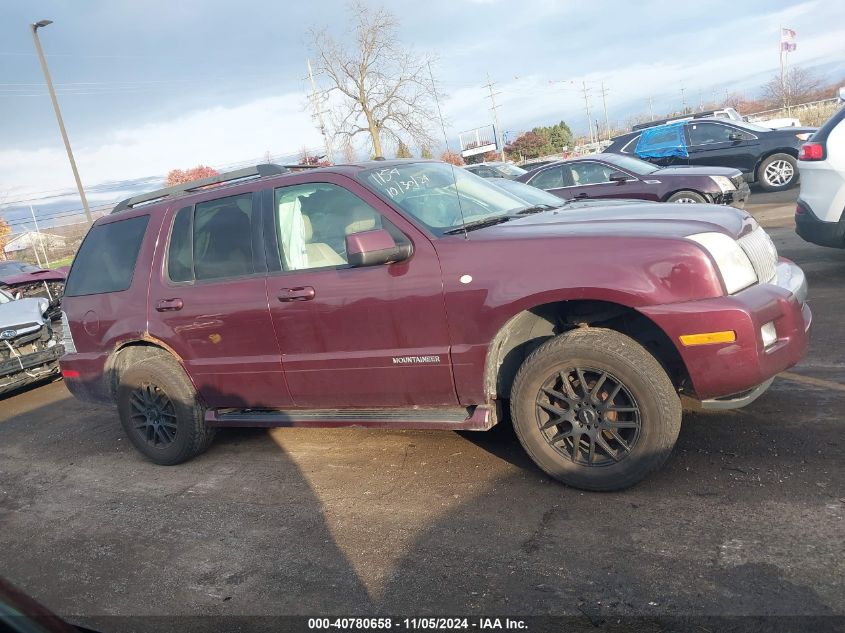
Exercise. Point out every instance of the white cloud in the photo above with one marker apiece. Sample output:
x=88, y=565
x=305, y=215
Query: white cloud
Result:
x=214, y=136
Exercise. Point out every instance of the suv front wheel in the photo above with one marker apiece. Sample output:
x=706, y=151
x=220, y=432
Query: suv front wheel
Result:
x=595, y=410
x=160, y=411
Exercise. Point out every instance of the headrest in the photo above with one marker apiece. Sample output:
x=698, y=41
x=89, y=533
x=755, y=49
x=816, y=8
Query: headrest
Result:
x=307, y=230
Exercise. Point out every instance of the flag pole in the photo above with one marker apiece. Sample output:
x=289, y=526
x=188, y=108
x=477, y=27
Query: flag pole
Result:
x=782, y=75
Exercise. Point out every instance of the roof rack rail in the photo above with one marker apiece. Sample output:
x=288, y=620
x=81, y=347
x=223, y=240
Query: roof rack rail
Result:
x=260, y=171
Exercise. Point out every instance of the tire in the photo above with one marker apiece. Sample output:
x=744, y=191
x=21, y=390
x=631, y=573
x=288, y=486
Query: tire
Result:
x=648, y=426
x=774, y=169
x=178, y=431
x=687, y=197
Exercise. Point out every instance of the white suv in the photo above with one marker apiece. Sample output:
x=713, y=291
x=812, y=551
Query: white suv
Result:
x=820, y=212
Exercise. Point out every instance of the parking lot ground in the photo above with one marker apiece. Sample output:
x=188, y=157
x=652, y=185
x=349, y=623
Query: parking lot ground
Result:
x=746, y=518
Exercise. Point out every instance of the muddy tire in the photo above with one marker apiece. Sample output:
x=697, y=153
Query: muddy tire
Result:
x=595, y=410
x=160, y=411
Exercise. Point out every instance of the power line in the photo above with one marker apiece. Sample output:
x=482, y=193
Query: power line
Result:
x=587, y=108
x=319, y=112
x=495, y=109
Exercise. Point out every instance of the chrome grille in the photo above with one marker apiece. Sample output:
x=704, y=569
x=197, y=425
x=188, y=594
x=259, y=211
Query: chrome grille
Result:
x=763, y=254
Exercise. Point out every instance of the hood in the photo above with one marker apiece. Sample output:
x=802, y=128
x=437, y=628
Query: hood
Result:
x=34, y=276
x=646, y=219
x=22, y=311
x=681, y=170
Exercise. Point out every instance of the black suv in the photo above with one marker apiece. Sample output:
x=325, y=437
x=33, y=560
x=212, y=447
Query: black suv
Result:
x=762, y=154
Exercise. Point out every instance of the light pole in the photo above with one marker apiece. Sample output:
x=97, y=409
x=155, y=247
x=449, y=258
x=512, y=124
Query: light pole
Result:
x=49, y=81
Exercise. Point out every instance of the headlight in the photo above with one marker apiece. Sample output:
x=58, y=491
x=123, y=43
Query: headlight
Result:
x=724, y=183
x=734, y=265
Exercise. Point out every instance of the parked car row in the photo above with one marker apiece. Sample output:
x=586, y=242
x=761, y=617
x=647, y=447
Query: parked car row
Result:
x=619, y=176
x=764, y=155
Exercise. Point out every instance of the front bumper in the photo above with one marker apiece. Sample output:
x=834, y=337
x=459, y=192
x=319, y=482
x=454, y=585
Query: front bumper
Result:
x=812, y=229
x=17, y=371
x=736, y=198
x=729, y=371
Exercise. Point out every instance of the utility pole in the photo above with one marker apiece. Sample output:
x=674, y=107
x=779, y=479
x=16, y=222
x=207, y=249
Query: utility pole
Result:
x=587, y=108
x=318, y=112
x=38, y=232
x=58, y=112
x=683, y=100
x=494, y=108
x=604, y=104
x=651, y=107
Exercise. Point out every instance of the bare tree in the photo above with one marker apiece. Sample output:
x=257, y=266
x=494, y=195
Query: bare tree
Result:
x=385, y=90
x=798, y=86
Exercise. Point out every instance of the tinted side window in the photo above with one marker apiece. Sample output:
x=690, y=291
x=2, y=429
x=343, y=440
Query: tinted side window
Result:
x=590, y=173
x=706, y=133
x=106, y=260
x=551, y=178
x=222, y=238
x=180, y=261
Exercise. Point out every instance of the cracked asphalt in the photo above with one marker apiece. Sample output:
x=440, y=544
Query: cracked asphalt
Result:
x=746, y=518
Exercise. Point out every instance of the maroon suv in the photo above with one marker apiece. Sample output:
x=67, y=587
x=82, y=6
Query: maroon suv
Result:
x=411, y=294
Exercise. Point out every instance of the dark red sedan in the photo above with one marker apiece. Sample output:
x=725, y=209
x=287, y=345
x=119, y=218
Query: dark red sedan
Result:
x=616, y=176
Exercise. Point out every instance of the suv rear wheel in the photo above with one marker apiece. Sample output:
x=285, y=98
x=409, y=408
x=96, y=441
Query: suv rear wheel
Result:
x=595, y=410
x=160, y=412
x=777, y=172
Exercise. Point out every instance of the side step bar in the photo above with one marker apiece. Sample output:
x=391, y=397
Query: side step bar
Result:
x=474, y=418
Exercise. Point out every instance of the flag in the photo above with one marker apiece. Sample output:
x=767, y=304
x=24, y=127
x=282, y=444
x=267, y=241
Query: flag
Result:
x=788, y=47
x=787, y=35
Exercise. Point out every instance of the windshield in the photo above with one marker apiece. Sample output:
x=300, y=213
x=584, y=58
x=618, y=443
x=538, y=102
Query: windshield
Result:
x=530, y=194
x=428, y=192
x=13, y=268
x=634, y=165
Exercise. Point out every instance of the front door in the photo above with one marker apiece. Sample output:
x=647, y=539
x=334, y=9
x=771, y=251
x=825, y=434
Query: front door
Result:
x=372, y=336
x=721, y=145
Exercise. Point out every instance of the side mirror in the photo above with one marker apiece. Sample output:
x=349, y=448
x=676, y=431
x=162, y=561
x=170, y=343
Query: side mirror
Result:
x=373, y=248
x=618, y=177
x=735, y=136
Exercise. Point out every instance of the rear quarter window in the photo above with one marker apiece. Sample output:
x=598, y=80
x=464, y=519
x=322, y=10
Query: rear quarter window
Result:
x=106, y=260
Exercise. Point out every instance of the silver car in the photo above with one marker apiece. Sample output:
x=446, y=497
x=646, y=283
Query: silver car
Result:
x=30, y=343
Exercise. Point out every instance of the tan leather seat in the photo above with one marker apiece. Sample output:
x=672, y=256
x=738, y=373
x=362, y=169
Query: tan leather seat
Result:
x=362, y=218
x=318, y=254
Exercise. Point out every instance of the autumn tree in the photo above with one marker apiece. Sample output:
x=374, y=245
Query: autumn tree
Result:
x=528, y=145
x=451, y=157
x=179, y=176
x=5, y=234
x=384, y=89
x=402, y=151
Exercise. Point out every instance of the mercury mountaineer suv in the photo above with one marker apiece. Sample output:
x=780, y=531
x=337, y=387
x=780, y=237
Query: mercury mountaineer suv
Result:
x=410, y=294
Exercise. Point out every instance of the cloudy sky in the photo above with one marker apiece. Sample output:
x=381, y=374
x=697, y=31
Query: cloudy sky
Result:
x=149, y=85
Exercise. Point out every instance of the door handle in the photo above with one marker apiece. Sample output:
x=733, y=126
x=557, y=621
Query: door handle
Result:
x=300, y=293
x=169, y=305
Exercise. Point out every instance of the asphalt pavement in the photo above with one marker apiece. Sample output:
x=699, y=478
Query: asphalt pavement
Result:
x=746, y=518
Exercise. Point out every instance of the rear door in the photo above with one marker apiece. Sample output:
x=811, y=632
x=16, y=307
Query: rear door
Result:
x=372, y=336
x=209, y=304
x=710, y=143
